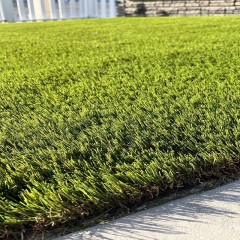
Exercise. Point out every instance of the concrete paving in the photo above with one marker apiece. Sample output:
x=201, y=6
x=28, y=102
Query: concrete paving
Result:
x=210, y=215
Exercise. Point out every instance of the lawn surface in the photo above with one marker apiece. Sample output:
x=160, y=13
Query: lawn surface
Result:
x=101, y=114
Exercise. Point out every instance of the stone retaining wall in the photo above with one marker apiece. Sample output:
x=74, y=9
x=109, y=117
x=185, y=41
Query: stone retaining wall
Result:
x=181, y=7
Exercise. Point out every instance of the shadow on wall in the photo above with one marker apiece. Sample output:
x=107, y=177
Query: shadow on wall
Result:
x=162, y=13
x=141, y=9
x=120, y=10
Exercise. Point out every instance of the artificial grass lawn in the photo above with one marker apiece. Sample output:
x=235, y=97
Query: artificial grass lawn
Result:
x=100, y=114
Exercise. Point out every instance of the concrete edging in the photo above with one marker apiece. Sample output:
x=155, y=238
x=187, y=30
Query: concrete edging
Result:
x=210, y=215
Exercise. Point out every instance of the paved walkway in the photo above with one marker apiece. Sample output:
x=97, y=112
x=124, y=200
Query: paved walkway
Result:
x=211, y=215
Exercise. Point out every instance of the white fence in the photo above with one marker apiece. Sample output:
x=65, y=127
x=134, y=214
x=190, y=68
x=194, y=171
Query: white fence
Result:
x=39, y=10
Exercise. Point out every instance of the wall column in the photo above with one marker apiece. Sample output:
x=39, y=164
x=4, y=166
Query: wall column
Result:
x=7, y=12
